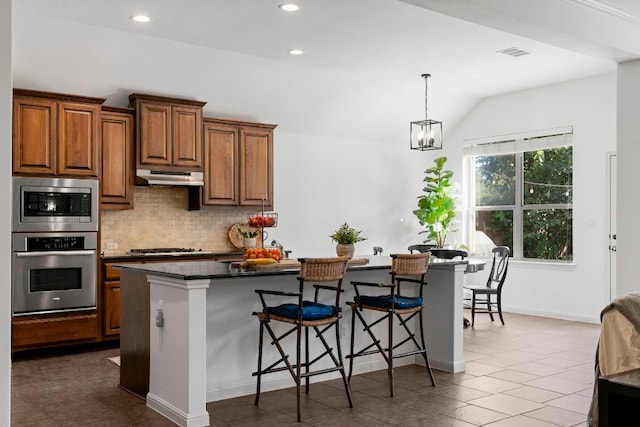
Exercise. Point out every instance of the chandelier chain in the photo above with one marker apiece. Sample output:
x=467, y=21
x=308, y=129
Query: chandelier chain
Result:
x=426, y=89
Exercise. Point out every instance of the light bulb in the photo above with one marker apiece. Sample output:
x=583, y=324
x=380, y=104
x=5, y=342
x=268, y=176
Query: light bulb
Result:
x=140, y=18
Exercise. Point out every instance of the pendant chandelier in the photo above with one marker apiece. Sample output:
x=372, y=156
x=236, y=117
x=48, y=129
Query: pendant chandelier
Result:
x=426, y=134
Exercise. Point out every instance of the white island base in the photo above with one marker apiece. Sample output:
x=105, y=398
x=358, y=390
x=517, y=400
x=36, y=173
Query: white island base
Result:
x=204, y=346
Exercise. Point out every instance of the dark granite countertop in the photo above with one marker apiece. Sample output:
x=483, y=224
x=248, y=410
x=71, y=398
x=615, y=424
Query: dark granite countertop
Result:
x=193, y=270
x=125, y=256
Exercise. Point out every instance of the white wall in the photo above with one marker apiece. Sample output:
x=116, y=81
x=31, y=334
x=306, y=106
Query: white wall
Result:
x=321, y=183
x=580, y=291
x=5, y=214
x=628, y=155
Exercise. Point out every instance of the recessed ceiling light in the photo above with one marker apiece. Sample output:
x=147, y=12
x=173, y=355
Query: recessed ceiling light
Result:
x=140, y=18
x=289, y=7
x=296, y=52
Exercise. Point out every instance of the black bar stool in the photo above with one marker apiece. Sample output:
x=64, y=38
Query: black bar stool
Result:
x=407, y=269
x=303, y=315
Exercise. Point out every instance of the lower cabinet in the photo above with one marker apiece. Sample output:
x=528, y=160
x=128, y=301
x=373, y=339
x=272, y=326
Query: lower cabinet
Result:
x=112, y=308
x=38, y=331
x=111, y=300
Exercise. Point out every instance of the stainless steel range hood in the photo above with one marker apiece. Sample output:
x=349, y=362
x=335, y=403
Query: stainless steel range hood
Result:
x=181, y=179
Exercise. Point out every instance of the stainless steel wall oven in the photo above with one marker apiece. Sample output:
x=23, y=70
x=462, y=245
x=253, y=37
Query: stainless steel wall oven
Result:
x=54, y=245
x=53, y=272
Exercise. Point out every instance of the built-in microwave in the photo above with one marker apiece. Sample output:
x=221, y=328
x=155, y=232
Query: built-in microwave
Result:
x=54, y=204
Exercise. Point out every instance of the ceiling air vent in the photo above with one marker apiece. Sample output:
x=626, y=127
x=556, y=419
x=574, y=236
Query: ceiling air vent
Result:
x=514, y=51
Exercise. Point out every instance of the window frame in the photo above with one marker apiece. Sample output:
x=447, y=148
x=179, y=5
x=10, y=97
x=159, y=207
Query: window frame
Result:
x=514, y=146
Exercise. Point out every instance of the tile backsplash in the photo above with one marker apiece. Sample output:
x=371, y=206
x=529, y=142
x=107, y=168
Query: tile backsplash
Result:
x=160, y=219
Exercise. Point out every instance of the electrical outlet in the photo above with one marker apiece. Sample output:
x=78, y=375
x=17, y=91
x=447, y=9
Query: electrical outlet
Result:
x=112, y=245
x=344, y=330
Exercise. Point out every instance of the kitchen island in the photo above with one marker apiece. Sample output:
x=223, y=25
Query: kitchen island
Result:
x=190, y=323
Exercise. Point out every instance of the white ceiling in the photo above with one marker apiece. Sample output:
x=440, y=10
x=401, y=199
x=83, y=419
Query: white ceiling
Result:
x=388, y=44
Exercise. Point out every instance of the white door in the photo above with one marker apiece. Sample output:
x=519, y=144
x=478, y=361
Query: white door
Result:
x=612, y=166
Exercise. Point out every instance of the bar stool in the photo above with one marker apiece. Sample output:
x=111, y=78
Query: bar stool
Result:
x=405, y=268
x=305, y=315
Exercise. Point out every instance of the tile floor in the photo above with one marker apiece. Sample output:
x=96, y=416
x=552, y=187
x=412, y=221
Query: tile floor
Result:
x=532, y=372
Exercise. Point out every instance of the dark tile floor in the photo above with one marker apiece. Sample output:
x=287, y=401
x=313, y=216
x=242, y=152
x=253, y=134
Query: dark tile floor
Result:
x=532, y=372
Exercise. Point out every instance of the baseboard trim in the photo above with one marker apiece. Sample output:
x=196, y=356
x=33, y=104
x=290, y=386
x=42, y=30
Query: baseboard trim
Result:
x=176, y=415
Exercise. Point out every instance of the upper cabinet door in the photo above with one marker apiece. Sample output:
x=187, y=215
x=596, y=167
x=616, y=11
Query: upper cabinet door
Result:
x=169, y=133
x=238, y=163
x=154, y=133
x=116, y=183
x=256, y=166
x=34, y=134
x=55, y=134
x=187, y=136
x=78, y=139
x=220, y=165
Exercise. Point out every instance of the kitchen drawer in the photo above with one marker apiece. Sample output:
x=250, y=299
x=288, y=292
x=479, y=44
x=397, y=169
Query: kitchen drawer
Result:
x=111, y=273
x=53, y=330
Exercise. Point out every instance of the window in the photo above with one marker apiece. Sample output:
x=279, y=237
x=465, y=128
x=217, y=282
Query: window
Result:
x=521, y=194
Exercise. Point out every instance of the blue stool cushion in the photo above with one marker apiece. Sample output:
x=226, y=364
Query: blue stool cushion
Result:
x=386, y=300
x=310, y=310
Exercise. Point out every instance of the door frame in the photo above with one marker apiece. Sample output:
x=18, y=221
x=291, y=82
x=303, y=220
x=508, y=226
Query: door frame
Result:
x=612, y=183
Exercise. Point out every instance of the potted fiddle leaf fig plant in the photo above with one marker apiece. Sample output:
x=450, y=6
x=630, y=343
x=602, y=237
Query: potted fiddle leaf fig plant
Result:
x=346, y=237
x=436, y=207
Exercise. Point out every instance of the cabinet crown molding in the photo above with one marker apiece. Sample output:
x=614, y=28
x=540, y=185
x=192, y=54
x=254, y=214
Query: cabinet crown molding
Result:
x=238, y=123
x=163, y=99
x=57, y=96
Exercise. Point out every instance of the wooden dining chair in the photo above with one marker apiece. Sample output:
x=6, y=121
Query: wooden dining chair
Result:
x=420, y=248
x=488, y=298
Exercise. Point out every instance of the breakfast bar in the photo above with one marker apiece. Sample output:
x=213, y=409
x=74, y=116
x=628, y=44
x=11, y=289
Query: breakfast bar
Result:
x=188, y=336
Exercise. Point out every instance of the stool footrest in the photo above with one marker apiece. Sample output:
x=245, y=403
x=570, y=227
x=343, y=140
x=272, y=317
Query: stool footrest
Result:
x=409, y=353
x=321, y=371
x=269, y=371
x=364, y=353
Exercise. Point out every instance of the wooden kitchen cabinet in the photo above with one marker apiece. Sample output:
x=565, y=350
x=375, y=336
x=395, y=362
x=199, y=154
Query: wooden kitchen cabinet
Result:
x=238, y=159
x=111, y=300
x=55, y=134
x=116, y=176
x=168, y=132
x=40, y=331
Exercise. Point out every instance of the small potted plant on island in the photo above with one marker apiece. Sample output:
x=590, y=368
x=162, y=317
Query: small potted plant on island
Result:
x=248, y=237
x=346, y=238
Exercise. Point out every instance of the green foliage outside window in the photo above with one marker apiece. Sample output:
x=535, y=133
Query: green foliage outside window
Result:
x=541, y=201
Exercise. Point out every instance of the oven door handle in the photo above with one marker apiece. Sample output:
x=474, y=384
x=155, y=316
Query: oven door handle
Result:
x=49, y=253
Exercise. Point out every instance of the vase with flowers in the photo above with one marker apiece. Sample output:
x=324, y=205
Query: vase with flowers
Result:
x=346, y=237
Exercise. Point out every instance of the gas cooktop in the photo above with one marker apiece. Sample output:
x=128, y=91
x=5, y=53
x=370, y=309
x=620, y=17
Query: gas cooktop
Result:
x=167, y=251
